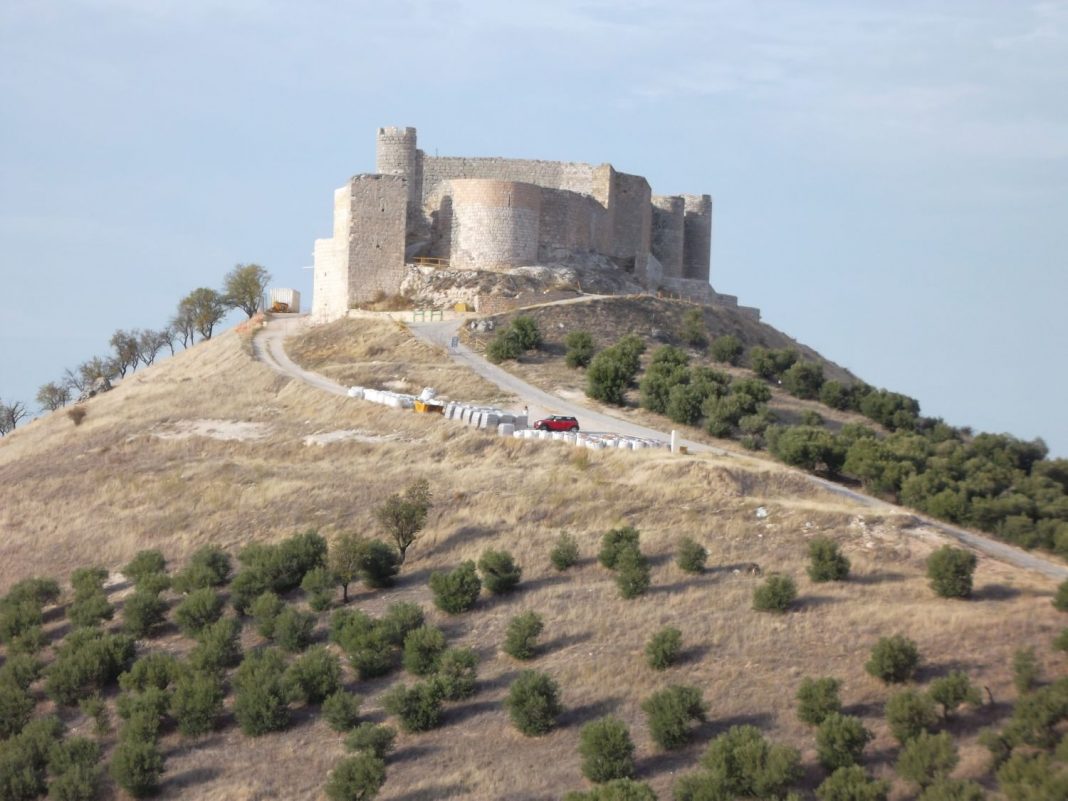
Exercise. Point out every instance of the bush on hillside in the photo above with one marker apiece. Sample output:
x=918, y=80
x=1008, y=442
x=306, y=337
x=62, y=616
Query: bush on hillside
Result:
x=952, y=690
x=318, y=585
x=456, y=591
x=893, y=659
x=379, y=564
x=615, y=790
x=926, y=758
x=1060, y=599
x=314, y=676
x=23, y=759
x=500, y=573
x=145, y=563
x=293, y=629
x=341, y=710
x=807, y=447
x=88, y=580
x=727, y=349
x=209, y=566
x=580, y=349
x=156, y=669
x=367, y=643
x=137, y=766
x=816, y=699
x=803, y=380
x=533, y=703
x=632, y=573
x=826, y=561
x=693, y=330
x=86, y=662
x=20, y=669
x=670, y=713
x=417, y=707
x=218, y=646
x=565, y=552
x=691, y=556
x=663, y=649
x=400, y=619
x=356, y=777
x=504, y=346
x=200, y=609
x=613, y=370
x=265, y=611
x=1025, y=672
x=776, y=594
x=1037, y=714
x=143, y=613
x=197, y=703
x=262, y=702
x=852, y=784
x=840, y=740
x=950, y=571
x=521, y=636
x=909, y=714
x=771, y=364
x=75, y=771
x=423, y=648
x=741, y=762
x=614, y=542
x=952, y=790
x=371, y=738
x=607, y=751
x=16, y=708
x=457, y=674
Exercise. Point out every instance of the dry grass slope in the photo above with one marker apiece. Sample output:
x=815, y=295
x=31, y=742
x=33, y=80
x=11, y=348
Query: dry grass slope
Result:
x=99, y=492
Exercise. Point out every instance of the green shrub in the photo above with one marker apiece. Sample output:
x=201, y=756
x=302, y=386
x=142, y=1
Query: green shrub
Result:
x=771, y=363
x=18, y=617
x=261, y=705
x=1060, y=642
x=318, y=585
x=1025, y=670
x=456, y=591
x=21, y=669
x=342, y=710
x=400, y=619
x=74, y=767
x=150, y=704
x=742, y=763
x=526, y=331
x=457, y=674
x=367, y=643
x=580, y=349
x=356, y=778
x=137, y=766
x=520, y=638
x=565, y=552
x=607, y=750
x=278, y=568
x=23, y=759
x=375, y=740
x=197, y=703
x=403, y=516
x=663, y=649
x=422, y=650
x=840, y=740
x=36, y=591
x=500, y=573
x=88, y=580
x=143, y=613
x=96, y=710
x=803, y=380
x=1032, y=777
x=952, y=690
x=926, y=758
x=533, y=703
x=156, y=669
x=691, y=556
x=379, y=564
x=1060, y=599
x=693, y=331
x=608, y=376
x=86, y=662
x=89, y=609
x=615, y=790
x=145, y=563
x=293, y=629
x=248, y=585
x=200, y=609
x=816, y=699
x=265, y=611
x=218, y=646
x=827, y=562
x=893, y=659
x=952, y=790
x=852, y=784
x=910, y=714
x=16, y=708
x=810, y=417
x=727, y=349
x=208, y=567
x=315, y=675
x=950, y=571
x=504, y=346
x=615, y=542
x=670, y=713
x=632, y=573
x=1037, y=714
x=417, y=707
x=775, y=594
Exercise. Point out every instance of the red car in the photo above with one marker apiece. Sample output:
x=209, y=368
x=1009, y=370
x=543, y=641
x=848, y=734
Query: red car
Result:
x=557, y=423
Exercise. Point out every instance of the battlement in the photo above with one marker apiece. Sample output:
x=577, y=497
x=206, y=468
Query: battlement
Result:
x=492, y=213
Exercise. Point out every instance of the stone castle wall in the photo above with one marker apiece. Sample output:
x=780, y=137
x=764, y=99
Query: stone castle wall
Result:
x=494, y=223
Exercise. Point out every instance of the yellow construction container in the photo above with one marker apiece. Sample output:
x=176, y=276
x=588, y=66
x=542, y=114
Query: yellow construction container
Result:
x=461, y=307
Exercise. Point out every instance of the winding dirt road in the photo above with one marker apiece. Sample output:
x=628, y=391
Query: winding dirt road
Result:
x=268, y=346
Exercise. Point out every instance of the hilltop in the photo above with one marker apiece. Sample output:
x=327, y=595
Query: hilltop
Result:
x=212, y=447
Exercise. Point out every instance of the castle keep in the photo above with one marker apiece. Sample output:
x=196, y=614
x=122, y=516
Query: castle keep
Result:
x=494, y=214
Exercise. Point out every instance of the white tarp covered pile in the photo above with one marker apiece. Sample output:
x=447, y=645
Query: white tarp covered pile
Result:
x=594, y=442
x=395, y=400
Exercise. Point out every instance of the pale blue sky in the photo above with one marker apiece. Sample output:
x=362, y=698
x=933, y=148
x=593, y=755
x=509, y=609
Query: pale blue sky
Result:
x=890, y=179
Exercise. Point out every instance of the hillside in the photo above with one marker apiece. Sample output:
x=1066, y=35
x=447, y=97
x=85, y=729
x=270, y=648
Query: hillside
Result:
x=211, y=447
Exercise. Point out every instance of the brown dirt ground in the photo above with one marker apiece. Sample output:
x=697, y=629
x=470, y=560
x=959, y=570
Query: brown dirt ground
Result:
x=99, y=492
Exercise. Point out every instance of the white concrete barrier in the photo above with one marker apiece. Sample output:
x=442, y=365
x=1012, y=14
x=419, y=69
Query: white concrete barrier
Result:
x=506, y=429
x=356, y=392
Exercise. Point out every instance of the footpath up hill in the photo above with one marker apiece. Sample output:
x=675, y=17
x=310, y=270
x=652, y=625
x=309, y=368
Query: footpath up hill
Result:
x=212, y=447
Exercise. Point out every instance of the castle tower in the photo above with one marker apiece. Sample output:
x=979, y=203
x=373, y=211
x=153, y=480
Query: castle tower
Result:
x=669, y=216
x=494, y=223
x=396, y=154
x=697, y=237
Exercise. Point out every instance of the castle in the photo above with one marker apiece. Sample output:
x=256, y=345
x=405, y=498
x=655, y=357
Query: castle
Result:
x=493, y=214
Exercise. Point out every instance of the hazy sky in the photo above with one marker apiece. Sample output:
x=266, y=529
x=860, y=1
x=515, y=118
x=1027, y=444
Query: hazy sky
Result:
x=890, y=178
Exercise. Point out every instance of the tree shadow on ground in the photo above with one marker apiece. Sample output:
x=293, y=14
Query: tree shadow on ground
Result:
x=702, y=579
x=995, y=592
x=410, y=753
x=584, y=713
x=468, y=711
x=933, y=670
x=543, y=581
x=463, y=534
x=884, y=577
x=498, y=682
x=191, y=777
x=416, y=578
x=806, y=602
x=564, y=641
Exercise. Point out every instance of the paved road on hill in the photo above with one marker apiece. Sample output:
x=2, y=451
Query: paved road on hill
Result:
x=268, y=346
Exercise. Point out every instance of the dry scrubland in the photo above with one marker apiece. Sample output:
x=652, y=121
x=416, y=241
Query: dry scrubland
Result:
x=97, y=493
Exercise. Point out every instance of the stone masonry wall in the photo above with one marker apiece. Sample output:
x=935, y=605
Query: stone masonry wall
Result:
x=494, y=223
x=331, y=262
x=667, y=235
x=376, y=237
x=697, y=246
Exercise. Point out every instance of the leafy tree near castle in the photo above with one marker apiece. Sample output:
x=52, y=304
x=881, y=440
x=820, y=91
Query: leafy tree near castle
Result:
x=52, y=396
x=200, y=311
x=403, y=516
x=243, y=287
x=10, y=415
